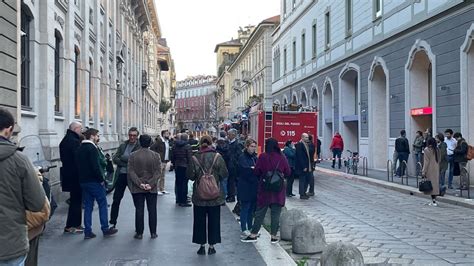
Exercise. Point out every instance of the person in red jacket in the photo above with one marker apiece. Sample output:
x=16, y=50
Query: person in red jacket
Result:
x=337, y=146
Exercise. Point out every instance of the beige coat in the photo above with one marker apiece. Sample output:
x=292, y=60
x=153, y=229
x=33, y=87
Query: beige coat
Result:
x=431, y=169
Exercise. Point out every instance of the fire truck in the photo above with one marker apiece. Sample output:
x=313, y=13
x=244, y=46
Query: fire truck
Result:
x=280, y=125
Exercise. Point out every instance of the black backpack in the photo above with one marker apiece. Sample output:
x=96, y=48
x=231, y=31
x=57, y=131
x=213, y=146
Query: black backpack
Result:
x=273, y=181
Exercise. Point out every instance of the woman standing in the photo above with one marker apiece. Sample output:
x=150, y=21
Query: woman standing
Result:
x=271, y=160
x=181, y=157
x=290, y=154
x=431, y=168
x=443, y=161
x=247, y=186
x=205, y=211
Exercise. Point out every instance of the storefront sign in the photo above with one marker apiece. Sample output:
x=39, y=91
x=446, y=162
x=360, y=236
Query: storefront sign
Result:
x=422, y=111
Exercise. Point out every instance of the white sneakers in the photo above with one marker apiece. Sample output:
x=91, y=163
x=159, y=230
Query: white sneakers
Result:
x=434, y=204
x=164, y=192
x=244, y=234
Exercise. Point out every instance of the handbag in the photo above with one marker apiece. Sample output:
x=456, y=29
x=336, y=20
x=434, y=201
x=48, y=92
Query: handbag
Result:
x=273, y=181
x=425, y=185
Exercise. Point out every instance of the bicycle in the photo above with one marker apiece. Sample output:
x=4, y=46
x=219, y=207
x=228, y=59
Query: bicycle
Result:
x=352, y=163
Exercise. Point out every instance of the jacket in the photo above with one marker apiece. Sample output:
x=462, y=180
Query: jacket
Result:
x=67, y=152
x=443, y=158
x=337, y=143
x=290, y=154
x=36, y=220
x=431, y=169
x=144, y=167
x=206, y=156
x=302, y=159
x=20, y=191
x=235, y=150
x=248, y=181
x=194, y=143
x=223, y=149
x=87, y=158
x=401, y=145
x=418, y=144
x=182, y=154
x=120, y=160
x=268, y=162
x=460, y=151
x=160, y=147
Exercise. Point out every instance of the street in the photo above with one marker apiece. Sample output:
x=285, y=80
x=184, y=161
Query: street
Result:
x=390, y=227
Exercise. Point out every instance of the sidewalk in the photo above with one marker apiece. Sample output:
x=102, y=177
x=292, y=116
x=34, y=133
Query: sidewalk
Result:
x=172, y=247
x=379, y=178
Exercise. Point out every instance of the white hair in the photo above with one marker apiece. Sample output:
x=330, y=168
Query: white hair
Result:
x=74, y=125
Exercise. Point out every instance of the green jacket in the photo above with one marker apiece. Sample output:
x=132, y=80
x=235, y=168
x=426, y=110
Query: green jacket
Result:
x=219, y=171
x=20, y=191
x=443, y=160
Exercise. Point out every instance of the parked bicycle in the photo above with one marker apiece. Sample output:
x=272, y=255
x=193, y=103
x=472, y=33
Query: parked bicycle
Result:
x=352, y=163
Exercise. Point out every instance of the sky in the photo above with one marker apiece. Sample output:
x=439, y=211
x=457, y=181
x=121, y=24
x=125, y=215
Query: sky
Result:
x=192, y=28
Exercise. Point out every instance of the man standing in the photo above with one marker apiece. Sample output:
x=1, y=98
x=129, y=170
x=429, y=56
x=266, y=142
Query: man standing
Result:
x=337, y=146
x=91, y=179
x=162, y=147
x=312, y=150
x=181, y=159
x=402, y=147
x=144, y=171
x=70, y=177
x=451, y=143
x=20, y=191
x=460, y=153
x=121, y=160
x=194, y=143
x=304, y=165
x=235, y=150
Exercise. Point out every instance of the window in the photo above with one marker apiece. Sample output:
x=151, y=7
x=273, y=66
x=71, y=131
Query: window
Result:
x=327, y=20
x=348, y=17
x=57, y=71
x=303, y=48
x=77, y=108
x=285, y=55
x=294, y=4
x=294, y=55
x=25, y=59
x=377, y=9
x=102, y=96
x=91, y=91
x=314, y=43
x=91, y=16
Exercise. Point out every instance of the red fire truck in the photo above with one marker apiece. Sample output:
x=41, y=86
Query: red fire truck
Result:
x=281, y=125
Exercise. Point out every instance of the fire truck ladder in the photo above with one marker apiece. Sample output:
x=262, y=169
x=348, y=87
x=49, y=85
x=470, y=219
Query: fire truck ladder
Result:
x=268, y=125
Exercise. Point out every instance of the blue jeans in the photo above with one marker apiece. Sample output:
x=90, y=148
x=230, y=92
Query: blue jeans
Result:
x=336, y=153
x=451, y=170
x=91, y=192
x=442, y=177
x=20, y=261
x=223, y=185
x=247, y=208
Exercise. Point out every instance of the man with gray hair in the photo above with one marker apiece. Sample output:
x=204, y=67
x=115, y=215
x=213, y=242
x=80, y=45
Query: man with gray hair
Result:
x=70, y=177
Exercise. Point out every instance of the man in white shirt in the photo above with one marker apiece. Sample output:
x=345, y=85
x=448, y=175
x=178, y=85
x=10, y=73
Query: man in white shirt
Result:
x=451, y=143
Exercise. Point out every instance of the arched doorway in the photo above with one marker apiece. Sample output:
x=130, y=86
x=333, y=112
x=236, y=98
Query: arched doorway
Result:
x=467, y=86
x=327, y=117
x=315, y=99
x=379, y=130
x=294, y=99
x=304, y=100
x=349, y=106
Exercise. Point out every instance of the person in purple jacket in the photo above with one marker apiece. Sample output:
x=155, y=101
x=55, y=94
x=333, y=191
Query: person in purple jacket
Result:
x=272, y=158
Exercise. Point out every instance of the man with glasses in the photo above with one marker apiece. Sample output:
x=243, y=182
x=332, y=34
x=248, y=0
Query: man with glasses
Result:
x=121, y=160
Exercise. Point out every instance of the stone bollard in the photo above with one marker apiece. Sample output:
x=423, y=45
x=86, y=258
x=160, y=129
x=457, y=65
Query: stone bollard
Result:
x=287, y=221
x=308, y=237
x=341, y=254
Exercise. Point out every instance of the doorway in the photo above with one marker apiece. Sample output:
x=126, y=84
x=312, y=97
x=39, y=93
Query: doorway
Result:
x=349, y=109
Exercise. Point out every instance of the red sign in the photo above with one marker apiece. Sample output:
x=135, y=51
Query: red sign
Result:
x=422, y=111
x=288, y=126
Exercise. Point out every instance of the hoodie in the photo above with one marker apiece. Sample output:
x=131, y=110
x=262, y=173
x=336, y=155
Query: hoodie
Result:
x=20, y=191
x=181, y=154
x=337, y=142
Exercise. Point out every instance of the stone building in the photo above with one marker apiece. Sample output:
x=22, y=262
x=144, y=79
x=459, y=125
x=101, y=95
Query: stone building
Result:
x=196, y=104
x=96, y=62
x=373, y=68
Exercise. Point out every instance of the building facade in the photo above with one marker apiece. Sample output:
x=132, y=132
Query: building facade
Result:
x=375, y=69
x=251, y=72
x=89, y=61
x=196, y=108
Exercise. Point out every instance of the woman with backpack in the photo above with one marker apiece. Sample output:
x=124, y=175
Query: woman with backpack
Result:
x=207, y=169
x=271, y=168
x=247, y=186
x=430, y=170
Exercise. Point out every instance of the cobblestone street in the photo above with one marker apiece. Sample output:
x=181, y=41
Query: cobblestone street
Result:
x=390, y=227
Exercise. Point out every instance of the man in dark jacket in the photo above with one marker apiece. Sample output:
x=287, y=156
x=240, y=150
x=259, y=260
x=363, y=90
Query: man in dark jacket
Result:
x=121, y=160
x=304, y=165
x=402, y=147
x=181, y=158
x=70, y=178
x=235, y=150
x=91, y=179
x=162, y=146
x=20, y=191
x=222, y=147
x=460, y=153
x=194, y=143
